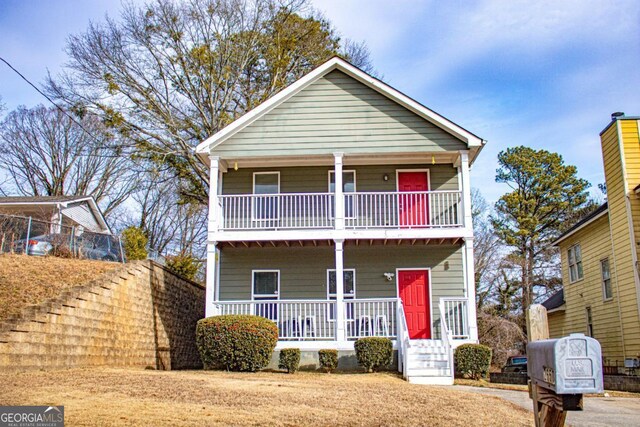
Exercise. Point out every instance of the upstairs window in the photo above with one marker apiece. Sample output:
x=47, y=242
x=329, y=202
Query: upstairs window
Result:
x=266, y=186
x=575, y=263
x=607, y=291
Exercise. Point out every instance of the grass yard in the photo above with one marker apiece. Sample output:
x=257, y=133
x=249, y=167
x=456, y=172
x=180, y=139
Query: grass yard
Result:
x=111, y=397
x=30, y=280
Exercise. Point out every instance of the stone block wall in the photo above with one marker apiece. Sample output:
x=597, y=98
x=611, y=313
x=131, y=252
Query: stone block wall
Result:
x=141, y=315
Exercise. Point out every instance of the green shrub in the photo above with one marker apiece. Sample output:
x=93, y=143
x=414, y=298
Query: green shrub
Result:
x=328, y=359
x=472, y=360
x=186, y=266
x=374, y=353
x=134, y=243
x=236, y=342
x=289, y=359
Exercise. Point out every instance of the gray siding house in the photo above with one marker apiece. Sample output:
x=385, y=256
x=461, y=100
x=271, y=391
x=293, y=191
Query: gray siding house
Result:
x=339, y=209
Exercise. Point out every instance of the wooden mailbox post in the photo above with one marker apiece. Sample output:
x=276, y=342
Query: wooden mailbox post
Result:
x=560, y=370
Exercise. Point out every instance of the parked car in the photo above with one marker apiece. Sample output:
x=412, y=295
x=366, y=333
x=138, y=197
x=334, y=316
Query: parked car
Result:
x=516, y=364
x=36, y=245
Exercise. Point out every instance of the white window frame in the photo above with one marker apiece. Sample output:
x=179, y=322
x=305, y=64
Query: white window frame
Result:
x=588, y=314
x=355, y=189
x=604, y=285
x=345, y=296
x=254, y=217
x=253, y=283
x=571, y=250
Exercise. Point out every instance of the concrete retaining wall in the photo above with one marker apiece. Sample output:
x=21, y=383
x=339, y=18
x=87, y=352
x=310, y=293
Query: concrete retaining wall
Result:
x=140, y=316
x=622, y=383
x=508, y=378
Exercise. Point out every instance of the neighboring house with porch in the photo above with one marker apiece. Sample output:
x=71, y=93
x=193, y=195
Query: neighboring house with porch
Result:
x=81, y=212
x=339, y=209
x=599, y=254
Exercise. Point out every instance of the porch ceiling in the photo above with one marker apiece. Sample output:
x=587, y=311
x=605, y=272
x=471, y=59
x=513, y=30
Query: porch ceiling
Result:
x=351, y=242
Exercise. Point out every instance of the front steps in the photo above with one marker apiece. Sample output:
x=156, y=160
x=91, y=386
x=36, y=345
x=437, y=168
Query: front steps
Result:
x=427, y=362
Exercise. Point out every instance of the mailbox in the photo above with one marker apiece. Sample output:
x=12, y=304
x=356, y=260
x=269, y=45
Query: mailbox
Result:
x=569, y=365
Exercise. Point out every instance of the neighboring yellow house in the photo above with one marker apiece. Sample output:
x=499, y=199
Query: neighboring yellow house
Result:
x=601, y=284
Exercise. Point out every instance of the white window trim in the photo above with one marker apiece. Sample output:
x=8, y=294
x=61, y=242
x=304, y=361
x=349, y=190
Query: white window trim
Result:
x=604, y=293
x=253, y=206
x=588, y=313
x=329, y=270
x=253, y=280
x=355, y=189
x=572, y=247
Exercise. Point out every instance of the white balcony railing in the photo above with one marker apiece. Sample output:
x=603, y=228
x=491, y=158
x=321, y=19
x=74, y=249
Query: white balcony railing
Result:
x=455, y=312
x=427, y=209
x=309, y=320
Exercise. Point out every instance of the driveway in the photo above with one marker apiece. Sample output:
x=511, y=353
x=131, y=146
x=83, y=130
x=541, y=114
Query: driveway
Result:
x=598, y=411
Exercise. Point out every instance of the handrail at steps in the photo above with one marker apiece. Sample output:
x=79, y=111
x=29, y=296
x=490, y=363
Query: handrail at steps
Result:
x=446, y=337
x=403, y=339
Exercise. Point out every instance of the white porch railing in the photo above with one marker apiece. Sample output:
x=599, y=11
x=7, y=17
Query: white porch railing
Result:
x=446, y=336
x=308, y=320
x=455, y=316
x=403, y=209
x=370, y=317
x=362, y=210
x=277, y=211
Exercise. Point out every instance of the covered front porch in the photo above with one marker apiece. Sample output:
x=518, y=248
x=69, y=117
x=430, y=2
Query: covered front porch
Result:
x=316, y=322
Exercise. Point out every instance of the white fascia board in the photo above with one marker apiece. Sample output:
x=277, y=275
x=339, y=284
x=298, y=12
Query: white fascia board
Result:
x=572, y=232
x=337, y=63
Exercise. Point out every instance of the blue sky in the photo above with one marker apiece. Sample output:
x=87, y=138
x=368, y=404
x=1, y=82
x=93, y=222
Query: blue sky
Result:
x=546, y=74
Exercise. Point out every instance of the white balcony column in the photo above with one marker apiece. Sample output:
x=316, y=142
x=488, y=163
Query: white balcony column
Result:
x=338, y=192
x=340, y=309
x=463, y=176
x=213, y=226
x=470, y=281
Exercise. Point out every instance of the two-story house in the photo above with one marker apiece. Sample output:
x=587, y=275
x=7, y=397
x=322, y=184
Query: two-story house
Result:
x=601, y=285
x=339, y=209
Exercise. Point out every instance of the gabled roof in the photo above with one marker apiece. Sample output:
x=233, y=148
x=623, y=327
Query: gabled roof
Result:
x=600, y=212
x=63, y=201
x=340, y=64
x=555, y=301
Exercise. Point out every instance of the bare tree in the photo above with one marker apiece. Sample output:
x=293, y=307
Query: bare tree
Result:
x=170, y=74
x=44, y=152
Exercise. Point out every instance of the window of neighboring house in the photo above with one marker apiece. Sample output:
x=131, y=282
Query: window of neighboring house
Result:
x=266, y=287
x=607, y=291
x=589, y=322
x=348, y=186
x=575, y=263
x=349, y=290
x=266, y=186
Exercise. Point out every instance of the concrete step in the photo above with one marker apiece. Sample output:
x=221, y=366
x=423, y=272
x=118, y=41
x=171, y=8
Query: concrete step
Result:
x=428, y=372
x=422, y=364
x=427, y=357
x=428, y=350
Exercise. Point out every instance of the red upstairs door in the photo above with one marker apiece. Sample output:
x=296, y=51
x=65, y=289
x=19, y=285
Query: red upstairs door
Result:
x=413, y=287
x=413, y=208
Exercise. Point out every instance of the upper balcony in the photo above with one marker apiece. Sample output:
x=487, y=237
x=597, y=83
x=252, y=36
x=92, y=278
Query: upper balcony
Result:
x=363, y=210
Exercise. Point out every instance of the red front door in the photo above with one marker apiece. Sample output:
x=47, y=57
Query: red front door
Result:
x=414, y=206
x=413, y=287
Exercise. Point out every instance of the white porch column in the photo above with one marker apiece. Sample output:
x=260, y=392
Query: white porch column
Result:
x=213, y=225
x=338, y=193
x=471, y=289
x=340, y=311
x=466, y=189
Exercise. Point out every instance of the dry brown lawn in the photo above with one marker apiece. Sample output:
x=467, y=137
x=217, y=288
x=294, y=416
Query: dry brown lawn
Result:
x=112, y=397
x=29, y=280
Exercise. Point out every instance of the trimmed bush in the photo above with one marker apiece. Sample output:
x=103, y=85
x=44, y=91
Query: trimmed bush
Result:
x=374, y=353
x=236, y=342
x=472, y=360
x=186, y=266
x=134, y=242
x=328, y=359
x=289, y=359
